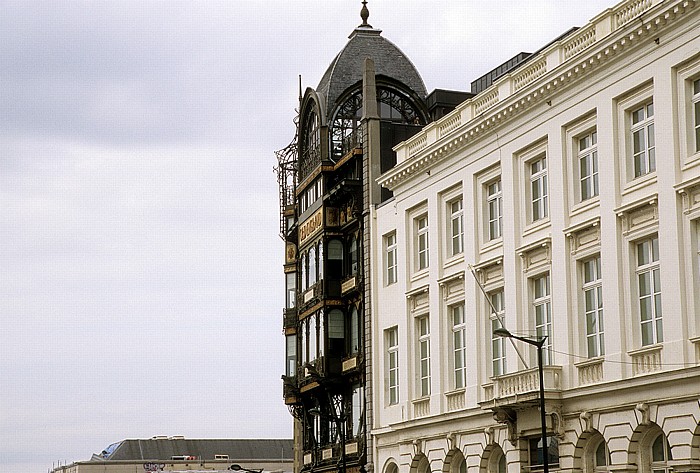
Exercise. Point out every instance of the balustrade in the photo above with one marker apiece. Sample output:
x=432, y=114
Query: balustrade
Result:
x=536, y=67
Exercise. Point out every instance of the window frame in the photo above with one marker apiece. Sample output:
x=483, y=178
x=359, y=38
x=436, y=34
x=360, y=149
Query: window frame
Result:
x=423, y=355
x=695, y=107
x=455, y=235
x=497, y=198
x=652, y=267
x=594, y=286
x=538, y=301
x=535, y=176
x=553, y=461
x=589, y=152
x=458, y=330
x=392, y=354
x=499, y=365
x=631, y=101
x=422, y=233
x=644, y=127
x=688, y=100
x=390, y=259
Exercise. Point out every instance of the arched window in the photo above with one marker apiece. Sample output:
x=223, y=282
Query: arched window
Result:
x=391, y=468
x=601, y=458
x=496, y=460
x=302, y=263
x=313, y=338
x=458, y=463
x=392, y=105
x=320, y=260
x=310, y=146
x=321, y=333
x=423, y=465
x=352, y=255
x=312, y=266
x=354, y=331
x=660, y=454
x=303, y=342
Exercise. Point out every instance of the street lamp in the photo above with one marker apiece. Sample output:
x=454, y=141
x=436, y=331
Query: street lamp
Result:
x=340, y=421
x=237, y=467
x=539, y=343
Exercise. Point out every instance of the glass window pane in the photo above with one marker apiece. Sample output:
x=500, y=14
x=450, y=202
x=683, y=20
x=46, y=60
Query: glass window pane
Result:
x=647, y=335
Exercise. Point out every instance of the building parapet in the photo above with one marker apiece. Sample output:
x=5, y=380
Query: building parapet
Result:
x=554, y=66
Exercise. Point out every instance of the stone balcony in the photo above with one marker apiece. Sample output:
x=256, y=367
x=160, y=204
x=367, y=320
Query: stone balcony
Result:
x=520, y=389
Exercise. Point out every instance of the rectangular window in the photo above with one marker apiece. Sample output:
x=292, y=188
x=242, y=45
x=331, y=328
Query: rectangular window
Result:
x=357, y=408
x=588, y=165
x=423, y=326
x=456, y=230
x=542, y=305
x=291, y=290
x=459, y=346
x=535, y=453
x=696, y=112
x=649, y=287
x=593, y=307
x=538, y=188
x=392, y=341
x=313, y=339
x=494, y=204
x=422, y=237
x=291, y=355
x=498, y=344
x=390, y=245
x=643, y=147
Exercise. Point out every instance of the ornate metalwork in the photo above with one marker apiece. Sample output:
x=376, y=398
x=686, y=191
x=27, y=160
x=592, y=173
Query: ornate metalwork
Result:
x=286, y=170
x=310, y=145
x=345, y=128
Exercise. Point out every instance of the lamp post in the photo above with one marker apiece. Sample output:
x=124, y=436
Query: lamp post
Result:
x=237, y=467
x=340, y=421
x=539, y=343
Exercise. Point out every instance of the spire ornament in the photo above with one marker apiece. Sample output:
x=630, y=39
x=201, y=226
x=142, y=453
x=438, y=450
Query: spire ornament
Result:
x=364, y=14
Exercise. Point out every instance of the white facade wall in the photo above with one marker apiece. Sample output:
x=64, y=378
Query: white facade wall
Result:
x=636, y=389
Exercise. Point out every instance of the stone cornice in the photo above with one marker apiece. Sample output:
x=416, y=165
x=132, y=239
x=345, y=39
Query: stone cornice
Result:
x=580, y=53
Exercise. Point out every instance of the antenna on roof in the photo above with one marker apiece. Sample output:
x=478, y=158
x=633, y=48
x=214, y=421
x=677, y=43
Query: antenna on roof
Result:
x=364, y=14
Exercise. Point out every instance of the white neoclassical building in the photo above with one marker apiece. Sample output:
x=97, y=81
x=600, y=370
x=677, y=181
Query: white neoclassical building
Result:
x=561, y=200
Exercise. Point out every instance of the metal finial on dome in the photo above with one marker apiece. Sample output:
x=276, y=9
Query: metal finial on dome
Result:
x=364, y=14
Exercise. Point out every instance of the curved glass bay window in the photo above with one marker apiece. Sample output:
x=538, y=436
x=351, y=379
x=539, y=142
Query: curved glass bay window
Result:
x=345, y=125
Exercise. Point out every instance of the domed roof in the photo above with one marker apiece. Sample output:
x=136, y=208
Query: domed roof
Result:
x=346, y=69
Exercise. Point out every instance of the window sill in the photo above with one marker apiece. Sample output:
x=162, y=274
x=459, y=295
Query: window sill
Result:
x=585, y=205
x=639, y=182
x=534, y=227
x=453, y=260
x=691, y=161
x=646, y=359
x=418, y=275
x=491, y=245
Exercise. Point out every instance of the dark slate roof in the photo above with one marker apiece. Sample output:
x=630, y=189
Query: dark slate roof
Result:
x=204, y=449
x=346, y=69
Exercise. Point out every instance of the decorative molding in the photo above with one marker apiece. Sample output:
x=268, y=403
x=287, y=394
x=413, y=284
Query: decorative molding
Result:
x=643, y=409
x=536, y=255
x=586, y=421
x=584, y=236
x=452, y=286
x=639, y=215
x=426, y=148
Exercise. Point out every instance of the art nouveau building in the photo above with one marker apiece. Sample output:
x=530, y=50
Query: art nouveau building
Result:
x=571, y=187
x=370, y=99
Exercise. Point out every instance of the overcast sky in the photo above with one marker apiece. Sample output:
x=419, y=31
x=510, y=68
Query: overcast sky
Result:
x=141, y=287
